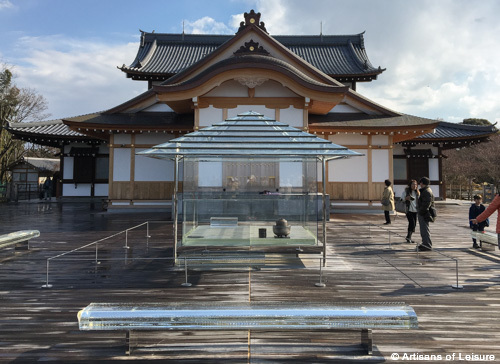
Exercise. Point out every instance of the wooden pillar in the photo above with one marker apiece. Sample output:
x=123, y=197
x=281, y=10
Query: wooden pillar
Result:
x=369, y=162
x=391, y=158
x=175, y=207
x=132, y=166
x=323, y=168
x=305, y=120
x=111, y=164
x=442, y=182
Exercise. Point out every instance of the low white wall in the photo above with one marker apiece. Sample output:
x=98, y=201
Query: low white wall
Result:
x=80, y=189
x=101, y=189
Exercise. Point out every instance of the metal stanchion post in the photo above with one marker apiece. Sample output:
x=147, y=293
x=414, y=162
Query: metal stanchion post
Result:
x=47, y=285
x=456, y=286
x=126, y=239
x=186, y=283
x=147, y=234
x=320, y=283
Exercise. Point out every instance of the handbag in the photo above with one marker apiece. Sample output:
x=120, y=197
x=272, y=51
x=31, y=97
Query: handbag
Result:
x=433, y=212
x=401, y=206
x=385, y=202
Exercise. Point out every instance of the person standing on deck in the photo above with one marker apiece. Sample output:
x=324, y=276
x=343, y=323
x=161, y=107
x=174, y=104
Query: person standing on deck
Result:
x=494, y=206
x=425, y=203
x=475, y=210
x=410, y=197
x=387, y=201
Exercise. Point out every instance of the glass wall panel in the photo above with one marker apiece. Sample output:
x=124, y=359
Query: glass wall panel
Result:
x=237, y=201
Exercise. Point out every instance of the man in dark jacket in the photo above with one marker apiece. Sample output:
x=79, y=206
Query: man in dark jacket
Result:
x=425, y=203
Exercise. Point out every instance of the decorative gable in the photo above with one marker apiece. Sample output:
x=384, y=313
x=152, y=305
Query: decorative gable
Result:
x=251, y=48
x=251, y=18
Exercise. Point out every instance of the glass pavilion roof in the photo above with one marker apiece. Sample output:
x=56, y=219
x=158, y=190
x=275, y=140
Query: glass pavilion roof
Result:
x=250, y=134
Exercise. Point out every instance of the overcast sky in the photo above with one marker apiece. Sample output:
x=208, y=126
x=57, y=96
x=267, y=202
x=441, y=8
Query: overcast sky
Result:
x=442, y=57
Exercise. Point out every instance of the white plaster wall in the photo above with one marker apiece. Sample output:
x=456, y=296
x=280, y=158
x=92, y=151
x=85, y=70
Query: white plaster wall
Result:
x=353, y=169
x=398, y=190
x=290, y=174
x=121, y=164
x=344, y=108
x=380, y=140
x=380, y=165
x=270, y=113
x=153, y=138
x=82, y=189
x=68, y=167
x=230, y=88
x=292, y=116
x=435, y=190
x=209, y=116
x=398, y=149
x=152, y=169
x=349, y=139
x=101, y=189
x=122, y=138
x=210, y=174
x=434, y=169
x=273, y=89
x=158, y=108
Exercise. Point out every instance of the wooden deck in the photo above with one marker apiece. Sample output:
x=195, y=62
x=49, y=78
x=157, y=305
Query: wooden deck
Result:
x=364, y=264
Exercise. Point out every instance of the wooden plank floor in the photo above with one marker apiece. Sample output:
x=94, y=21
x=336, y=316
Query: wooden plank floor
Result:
x=364, y=264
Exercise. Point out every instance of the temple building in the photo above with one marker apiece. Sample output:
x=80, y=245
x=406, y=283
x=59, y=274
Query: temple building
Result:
x=194, y=81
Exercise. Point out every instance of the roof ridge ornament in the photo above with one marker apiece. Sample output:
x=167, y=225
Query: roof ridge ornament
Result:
x=251, y=48
x=252, y=18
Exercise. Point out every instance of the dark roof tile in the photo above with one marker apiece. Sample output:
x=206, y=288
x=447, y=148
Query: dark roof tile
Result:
x=163, y=55
x=446, y=130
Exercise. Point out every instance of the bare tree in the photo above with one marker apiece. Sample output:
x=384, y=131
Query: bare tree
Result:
x=16, y=105
x=479, y=163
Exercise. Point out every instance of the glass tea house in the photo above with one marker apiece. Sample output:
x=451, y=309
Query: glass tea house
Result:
x=249, y=181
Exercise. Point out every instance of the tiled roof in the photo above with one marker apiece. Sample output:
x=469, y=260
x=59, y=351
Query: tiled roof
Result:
x=446, y=130
x=163, y=55
x=367, y=121
x=139, y=119
x=248, y=61
x=50, y=133
x=48, y=128
x=43, y=164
